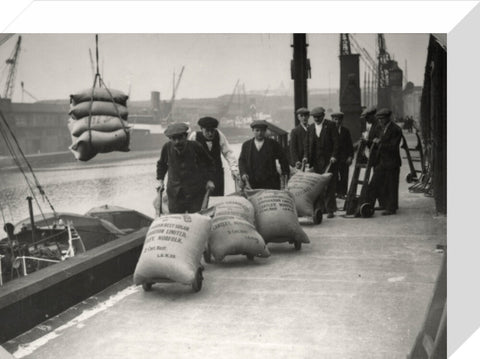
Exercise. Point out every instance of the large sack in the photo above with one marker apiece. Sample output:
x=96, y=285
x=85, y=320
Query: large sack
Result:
x=99, y=108
x=234, y=235
x=97, y=123
x=99, y=94
x=306, y=187
x=173, y=247
x=101, y=142
x=276, y=216
x=235, y=206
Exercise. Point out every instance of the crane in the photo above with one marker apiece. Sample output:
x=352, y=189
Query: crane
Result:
x=176, y=84
x=383, y=62
x=225, y=109
x=28, y=93
x=345, y=45
x=12, y=66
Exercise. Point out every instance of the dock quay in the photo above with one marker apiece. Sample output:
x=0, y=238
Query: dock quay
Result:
x=360, y=289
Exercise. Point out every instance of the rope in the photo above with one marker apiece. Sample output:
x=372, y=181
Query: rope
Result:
x=19, y=165
x=115, y=105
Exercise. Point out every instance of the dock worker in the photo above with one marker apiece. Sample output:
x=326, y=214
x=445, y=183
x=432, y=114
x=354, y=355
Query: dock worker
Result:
x=385, y=177
x=375, y=125
x=321, y=152
x=191, y=170
x=257, y=161
x=297, y=138
x=375, y=131
x=216, y=144
x=345, y=155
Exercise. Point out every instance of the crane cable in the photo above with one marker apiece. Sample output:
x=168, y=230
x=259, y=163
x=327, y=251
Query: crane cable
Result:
x=11, y=149
x=100, y=83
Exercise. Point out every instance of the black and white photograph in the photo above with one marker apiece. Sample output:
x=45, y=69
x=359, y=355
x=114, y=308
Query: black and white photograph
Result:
x=223, y=194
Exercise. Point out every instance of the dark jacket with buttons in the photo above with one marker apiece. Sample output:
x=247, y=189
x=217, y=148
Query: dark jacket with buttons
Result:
x=188, y=170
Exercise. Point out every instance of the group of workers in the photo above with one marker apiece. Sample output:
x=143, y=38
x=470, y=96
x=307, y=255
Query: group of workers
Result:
x=194, y=163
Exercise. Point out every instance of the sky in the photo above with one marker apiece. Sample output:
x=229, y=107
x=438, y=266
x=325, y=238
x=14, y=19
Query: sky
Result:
x=52, y=66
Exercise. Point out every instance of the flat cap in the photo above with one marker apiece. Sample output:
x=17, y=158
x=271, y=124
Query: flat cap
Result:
x=259, y=123
x=337, y=114
x=317, y=111
x=176, y=129
x=383, y=112
x=208, y=122
x=303, y=111
x=368, y=111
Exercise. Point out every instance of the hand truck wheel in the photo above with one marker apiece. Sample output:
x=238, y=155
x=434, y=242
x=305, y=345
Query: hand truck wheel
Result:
x=197, y=283
x=366, y=210
x=147, y=287
x=410, y=177
x=317, y=216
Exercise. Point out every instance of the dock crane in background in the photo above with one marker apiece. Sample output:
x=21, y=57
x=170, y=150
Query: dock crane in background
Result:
x=370, y=79
x=176, y=84
x=350, y=95
x=225, y=108
x=27, y=92
x=390, y=80
x=12, y=62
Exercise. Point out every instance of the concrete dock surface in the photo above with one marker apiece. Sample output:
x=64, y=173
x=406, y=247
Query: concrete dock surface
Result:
x=360, y=289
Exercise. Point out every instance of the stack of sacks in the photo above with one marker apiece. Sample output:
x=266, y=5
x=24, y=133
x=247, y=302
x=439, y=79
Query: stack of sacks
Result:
x=108, y=123
x=173, y=249
x=276, y=216
x=306, y=187
x=233, y=230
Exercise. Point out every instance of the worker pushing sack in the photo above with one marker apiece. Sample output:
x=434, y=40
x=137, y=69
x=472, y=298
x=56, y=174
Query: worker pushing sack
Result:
x=173, y=249
x=276, y=217
x=98, y=122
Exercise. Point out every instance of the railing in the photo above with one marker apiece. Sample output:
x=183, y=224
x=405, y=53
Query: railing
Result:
x=24, y=263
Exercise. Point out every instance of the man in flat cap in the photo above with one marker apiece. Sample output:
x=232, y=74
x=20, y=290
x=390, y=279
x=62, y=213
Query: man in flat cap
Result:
x=216, y=144
x=321, y=152
x=190, y=168
x=257, y=161
x=385, y=178
x=297, y=138
x=376, y=128
x=345, y=155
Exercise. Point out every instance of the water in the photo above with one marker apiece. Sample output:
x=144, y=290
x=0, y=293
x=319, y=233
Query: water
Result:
x=77, y=188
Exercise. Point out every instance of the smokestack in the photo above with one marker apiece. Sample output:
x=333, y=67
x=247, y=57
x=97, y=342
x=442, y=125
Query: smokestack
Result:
x=155, y=104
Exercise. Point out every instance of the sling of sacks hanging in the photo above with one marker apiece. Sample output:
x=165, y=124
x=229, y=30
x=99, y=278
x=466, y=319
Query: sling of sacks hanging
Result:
x=107, y=128
x=276, y=216
x=233, y=230
x=306, y=187
x=173, y=248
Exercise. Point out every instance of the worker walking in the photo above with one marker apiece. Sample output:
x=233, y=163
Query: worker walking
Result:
x=297, y=138
x=216, y=144
x=385, y=177
x=257, y=161
x=345, y=155
x=321, y=151
x=191, y=170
